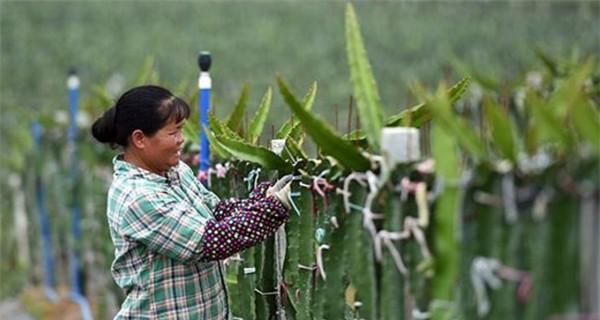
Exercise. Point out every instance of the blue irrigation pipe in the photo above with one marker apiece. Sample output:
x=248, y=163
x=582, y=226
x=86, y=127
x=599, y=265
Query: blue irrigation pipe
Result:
x=76, y=276
x=46, y=237
x=204, y=91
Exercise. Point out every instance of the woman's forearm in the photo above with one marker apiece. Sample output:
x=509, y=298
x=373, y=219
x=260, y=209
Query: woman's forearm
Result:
x=255, y=220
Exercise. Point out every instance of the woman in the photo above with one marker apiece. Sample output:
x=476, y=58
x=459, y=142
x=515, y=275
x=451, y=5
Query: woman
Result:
x=170, y=232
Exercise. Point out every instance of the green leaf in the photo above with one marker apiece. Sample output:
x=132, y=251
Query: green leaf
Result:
x=570, y=91
x=291, y=125
x=191, y=132
x=549, y=62
x=457, y=90
x=182, y=87
x=503, y=131
x=235, y=118
x=419, y=114
x=285, y=129
x=102, y=95
x=413, y=116
x=221, y=129
x=192, y=100
x=258, y=121
x=294, y=148
x=260, y=155
x=484, y=80
x=586, y=121
x=456, y=126
x=216, y=145
x=347, y=155
x=296, y=132
x=532, y=138
x=147, y=74
x=363, y=81
x=309, y=97
x=549, y=126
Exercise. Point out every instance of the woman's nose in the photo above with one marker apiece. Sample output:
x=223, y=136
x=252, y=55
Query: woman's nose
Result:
x=180, y=138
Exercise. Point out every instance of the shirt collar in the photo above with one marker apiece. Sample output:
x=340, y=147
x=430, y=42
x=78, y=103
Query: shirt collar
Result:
x=124, y=168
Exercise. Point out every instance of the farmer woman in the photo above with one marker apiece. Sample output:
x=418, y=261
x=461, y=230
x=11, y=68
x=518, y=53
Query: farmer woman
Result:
x=170, y=233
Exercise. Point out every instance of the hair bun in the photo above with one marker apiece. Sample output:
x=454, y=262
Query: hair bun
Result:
x=103, y=128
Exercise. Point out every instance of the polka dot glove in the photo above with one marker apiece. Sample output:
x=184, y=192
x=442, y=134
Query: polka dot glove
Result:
x=231, y=207
x=256, y=219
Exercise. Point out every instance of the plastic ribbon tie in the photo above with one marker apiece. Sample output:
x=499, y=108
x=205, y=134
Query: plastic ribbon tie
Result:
x=482, y=273
x=486, y=271
x=235, y=258
x=307, y=268
x=418, y=314
x=355, y=206
x=304, y=185
x=221, y=170
x=411, y=227
x=540, y=204
x=426, y=166
x=252, y=175
x=320, y=181
x=508, y=197
x=487, y=199
x=368, y=215
x=422, y=204
x=202, y=175
x=407, y=187
x=358, y=177
x=294, y=159
x=386, y=237
x=334, y=222
x=319, y=256
x=270, y=293
x=294, y=206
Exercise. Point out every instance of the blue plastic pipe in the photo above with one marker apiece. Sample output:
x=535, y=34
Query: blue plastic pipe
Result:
x=76, y=285
x=204, y=92
x=46, y=237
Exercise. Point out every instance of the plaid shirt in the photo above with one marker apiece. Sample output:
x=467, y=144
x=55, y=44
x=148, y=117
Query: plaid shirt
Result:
x=169, y=234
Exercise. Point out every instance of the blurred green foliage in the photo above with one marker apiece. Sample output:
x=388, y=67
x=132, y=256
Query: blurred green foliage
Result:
x=254, y=41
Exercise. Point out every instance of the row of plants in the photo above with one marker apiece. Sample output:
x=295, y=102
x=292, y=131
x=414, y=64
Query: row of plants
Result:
x=488, y=235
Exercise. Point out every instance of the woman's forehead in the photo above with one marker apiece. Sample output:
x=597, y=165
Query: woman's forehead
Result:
x=172, y=122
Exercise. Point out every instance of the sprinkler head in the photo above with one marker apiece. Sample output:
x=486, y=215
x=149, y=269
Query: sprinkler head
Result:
x=204, y=61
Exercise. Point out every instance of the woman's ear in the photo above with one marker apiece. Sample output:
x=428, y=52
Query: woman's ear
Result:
x=138, y=139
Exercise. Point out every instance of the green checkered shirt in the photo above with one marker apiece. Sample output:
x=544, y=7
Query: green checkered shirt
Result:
x=156, y=225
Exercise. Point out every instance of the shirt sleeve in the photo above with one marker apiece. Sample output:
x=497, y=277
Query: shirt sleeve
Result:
x=258, y=218
x=165, y=226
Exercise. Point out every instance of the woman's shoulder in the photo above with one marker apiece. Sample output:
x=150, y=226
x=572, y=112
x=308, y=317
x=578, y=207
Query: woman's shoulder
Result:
x=184, y=169
x=128, y=188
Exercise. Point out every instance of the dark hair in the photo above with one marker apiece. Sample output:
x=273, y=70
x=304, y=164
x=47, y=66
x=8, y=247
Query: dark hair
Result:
x=147, y=108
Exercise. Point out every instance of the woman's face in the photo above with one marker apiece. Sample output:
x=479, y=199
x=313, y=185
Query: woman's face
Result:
x=163, y=150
